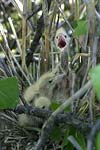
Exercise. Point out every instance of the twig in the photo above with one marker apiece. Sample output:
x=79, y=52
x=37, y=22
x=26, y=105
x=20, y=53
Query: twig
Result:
x=97, y=15
x=91, y=95
x=12, y=56
x=89, y=64
x=34, y=12
x=7, y=49
x=95, y=50
x=45, y=52
x=73, y=88
x=38, y=34
x=91, y=137
x=65, y=118
x=74, y=142
x=63, y=15
x=14, y=32
x=35, y=41
x=18, y=5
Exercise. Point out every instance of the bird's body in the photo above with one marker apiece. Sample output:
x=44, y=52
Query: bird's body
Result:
x=29, y=120
x=37, y=95
x=40, y=88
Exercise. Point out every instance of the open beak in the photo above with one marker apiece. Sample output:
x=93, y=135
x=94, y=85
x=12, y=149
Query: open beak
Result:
x=61, y=42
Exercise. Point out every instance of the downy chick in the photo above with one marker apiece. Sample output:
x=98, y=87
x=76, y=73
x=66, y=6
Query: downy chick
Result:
x=40, y=88
x=62, y=41
x=29, y=120
x=42, y=102
x=37, y=95
x=48, y=88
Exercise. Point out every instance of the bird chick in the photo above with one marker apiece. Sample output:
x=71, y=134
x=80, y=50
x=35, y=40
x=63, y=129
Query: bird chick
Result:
x=62, y=39
x=42, y=102
x=40, y=88
x=37, y=95
x=25, y=120
x=29, y=120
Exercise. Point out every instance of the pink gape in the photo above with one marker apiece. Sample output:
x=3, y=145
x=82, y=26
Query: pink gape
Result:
x=61, y=42
x=62, y=39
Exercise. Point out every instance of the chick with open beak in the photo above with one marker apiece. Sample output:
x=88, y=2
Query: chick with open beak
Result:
x=62, y=41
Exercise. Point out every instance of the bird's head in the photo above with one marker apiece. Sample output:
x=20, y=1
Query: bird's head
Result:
x=62, y=39
x=42, y=102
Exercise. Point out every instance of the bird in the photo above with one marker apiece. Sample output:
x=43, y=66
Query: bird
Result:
x=37, y=95
x=26, y=120
x=42, y=102
x=62, y=41
x=40, y=87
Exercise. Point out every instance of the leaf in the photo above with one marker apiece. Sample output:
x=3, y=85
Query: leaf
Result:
x=67, y=109
x=98, y=141
x=9, y=93
x=65, y=140
x=77, y=135
x=56, y=134
x=80, y=139
x=95, y=76
x=80, y=29
x=54, y=106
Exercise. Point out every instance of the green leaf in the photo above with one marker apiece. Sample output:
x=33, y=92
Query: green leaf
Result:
x=66, y=144
x=80, y=139
x=56, y=134
x=68, y=147
x=65, y=140
x=67, y=109
x=9, y=93
x=54, y=106
x=80, y=29
x=98, y=141
x=95, y=76
x=77, y=135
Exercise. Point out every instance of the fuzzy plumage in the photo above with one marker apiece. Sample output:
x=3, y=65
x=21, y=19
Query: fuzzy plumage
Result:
x=40, y=88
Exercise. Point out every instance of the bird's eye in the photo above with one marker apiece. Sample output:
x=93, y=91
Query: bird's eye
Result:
x=50, y=81
x=43, y=107
x=56, y=37
x=65, y=36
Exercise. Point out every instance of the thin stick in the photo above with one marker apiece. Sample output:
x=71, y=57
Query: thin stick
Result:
x=12, y=56
x=14, y=32
x=24, y=28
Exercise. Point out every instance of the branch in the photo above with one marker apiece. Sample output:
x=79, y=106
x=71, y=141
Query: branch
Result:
x=74, y=142
x=66, y=118
x=38, y=34
x=92, y=135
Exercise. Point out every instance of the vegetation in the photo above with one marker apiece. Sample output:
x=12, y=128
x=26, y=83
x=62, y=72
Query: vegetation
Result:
x=49, y=91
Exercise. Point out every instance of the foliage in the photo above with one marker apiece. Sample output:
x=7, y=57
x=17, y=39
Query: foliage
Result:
x=80, y=28
x=97, y=141
x=28, y=49
x=95, y=76
x=9, y=93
